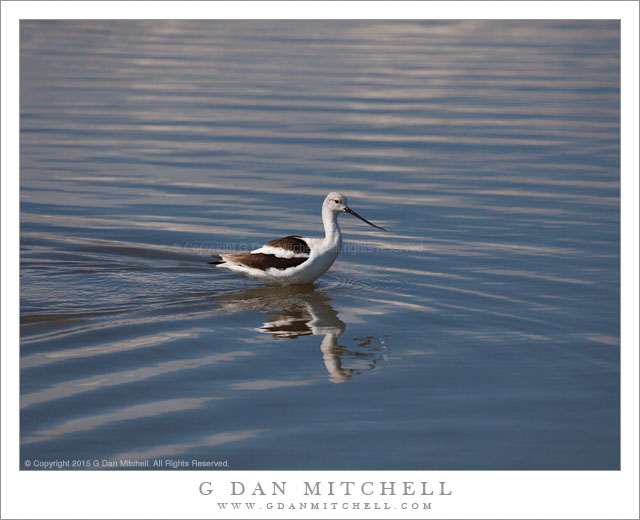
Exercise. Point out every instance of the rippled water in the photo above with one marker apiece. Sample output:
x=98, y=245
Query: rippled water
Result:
x=480, y=332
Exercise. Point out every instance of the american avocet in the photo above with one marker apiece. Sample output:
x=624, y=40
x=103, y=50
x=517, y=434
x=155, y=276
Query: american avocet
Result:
x=295, y=259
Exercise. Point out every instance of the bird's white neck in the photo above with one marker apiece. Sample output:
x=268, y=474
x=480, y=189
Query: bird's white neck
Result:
x=332, y=234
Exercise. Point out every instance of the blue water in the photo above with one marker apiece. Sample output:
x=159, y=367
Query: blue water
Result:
x=480, y=332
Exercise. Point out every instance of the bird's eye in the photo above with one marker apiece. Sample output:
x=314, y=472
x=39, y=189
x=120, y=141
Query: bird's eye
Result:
x=337, y=201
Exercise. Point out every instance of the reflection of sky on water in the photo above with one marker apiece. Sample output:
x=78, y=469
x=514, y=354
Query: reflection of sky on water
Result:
x=131, y=412
x=388, y=85
x=169, y=450
x=489, y=149
x=89, y=384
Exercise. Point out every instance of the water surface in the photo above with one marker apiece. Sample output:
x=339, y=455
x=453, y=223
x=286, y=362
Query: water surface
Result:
x=480, y=332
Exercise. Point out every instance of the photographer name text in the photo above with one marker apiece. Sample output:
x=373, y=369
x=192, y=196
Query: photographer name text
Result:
x=125, y=464
x=330, y=488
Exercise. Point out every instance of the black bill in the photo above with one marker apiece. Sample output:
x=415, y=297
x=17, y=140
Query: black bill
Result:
x=349, y=210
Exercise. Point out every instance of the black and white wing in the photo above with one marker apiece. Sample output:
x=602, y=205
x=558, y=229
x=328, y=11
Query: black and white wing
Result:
x=281, y=253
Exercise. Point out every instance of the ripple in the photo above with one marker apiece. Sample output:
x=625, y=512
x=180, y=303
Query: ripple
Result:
x=344, y=277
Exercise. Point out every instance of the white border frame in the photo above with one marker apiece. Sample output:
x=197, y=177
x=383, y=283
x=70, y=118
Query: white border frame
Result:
x=123, y=494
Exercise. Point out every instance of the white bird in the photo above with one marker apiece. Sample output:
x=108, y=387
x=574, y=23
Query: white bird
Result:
x=295, y=259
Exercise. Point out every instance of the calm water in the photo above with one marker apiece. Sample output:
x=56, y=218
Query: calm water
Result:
x=480, y=332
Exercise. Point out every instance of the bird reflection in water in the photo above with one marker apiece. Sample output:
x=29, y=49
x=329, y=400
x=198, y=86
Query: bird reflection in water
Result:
x=302, y=310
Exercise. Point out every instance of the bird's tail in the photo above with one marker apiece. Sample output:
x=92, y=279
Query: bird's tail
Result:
x=217, y=259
